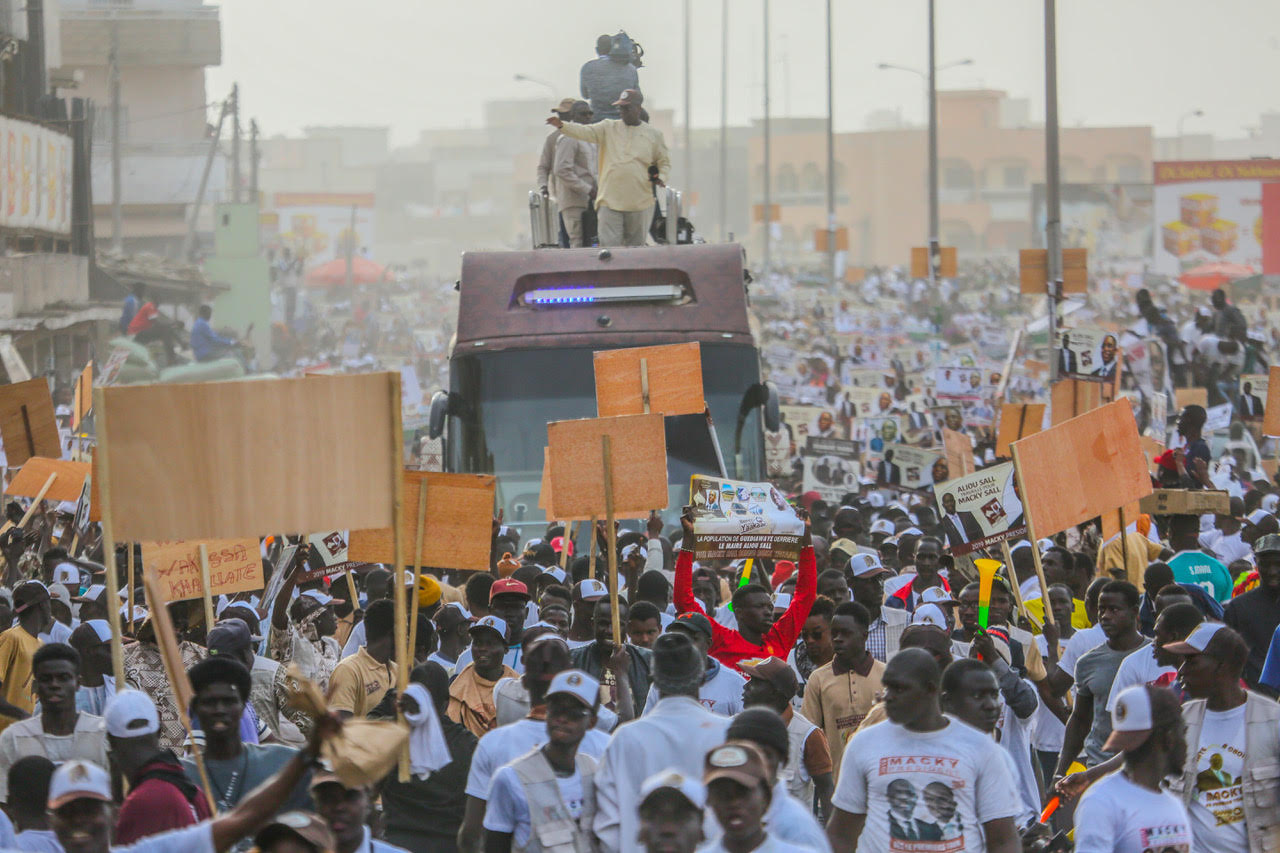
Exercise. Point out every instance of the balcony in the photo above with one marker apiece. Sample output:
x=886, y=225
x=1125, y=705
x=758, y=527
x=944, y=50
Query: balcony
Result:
x=31, y=283
x=172, y=34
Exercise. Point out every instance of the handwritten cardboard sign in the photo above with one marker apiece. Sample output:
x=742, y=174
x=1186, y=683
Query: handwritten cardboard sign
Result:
x=1082, y=468
x=1017, y=420
x=27, y=425
x=211, y=461
x=639, y=463
x=234, y=566
x=674, y=374
x=35, y=473
x=458, y=529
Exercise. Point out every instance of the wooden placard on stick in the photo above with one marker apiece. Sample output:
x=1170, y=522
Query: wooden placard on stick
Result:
x=27, y=425
x=35, y=473
x=1082, y=468
x=458, y=528
x=1017, y=421
x=1111, y=520
x=673, y=375
x=234, y=566
x=1183, y=397
x=639, y=456
x=1271, y=415
x=544, y=492
x=1070, y=398
x=82, y=396
x=959, y=450
x=212, y=461
x=95, y=505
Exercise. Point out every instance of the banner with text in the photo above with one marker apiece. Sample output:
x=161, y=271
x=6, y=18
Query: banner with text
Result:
x=733, y=519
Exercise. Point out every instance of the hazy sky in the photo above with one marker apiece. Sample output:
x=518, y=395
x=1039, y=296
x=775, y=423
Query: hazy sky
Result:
x=411, y=64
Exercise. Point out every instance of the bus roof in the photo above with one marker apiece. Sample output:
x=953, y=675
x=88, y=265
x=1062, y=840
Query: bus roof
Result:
x=493, y=313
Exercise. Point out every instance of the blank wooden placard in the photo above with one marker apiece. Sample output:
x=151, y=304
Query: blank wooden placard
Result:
x=1082, y=468
x=1111, y=520
x=1070, y=398
x=545, y=501
x=1184, y=397
x=675, y=380
x=82, y=396
x=1271, y=415
x=34, y=394
x=95, y=502
x=458, y=531
x=225, y=460
x=959, y=451
x=35, y=473
x=1017, y=420
x=234, y=566
x=639, y=462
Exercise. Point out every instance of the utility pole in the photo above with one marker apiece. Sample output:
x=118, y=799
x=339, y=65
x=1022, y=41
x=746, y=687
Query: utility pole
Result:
x=113, y=73
x=351, y=247
x=768, y=165
x=688, y=109
x=724, y=119
x=235, y=143
x=933, y=157
x=38, y=85
x=831, y=160
x=189, y=242
x=1053, y=202
x=253, y=160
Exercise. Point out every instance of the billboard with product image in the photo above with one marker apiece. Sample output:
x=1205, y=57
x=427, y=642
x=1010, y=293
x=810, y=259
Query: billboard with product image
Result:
x=1210, y=211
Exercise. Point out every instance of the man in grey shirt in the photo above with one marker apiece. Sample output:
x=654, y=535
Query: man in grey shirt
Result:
x=605, y=78
x=1090, y=723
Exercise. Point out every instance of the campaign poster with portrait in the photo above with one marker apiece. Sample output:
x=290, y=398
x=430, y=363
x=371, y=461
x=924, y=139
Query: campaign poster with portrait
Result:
x=1089, y=354
x=733, y=520
x=959, y=383
x=911, y=468
x=867, y=402
x=1251, y=401
x=980, y=509
x=879, y=431
x=816, y=421
x=832, y=468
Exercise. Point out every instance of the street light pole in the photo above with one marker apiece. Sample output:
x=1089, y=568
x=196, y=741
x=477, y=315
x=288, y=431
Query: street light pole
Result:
x=724, y=119
x=1053, y=203
x=768, y=174
x=933, y=156
x=688, y=110
x=831, y=160
x=1181, y=119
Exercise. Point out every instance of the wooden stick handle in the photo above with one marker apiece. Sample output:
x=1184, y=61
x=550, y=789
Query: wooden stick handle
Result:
x=35, y=502
x=132, y=583
x=1031, y=535
x=206, y=586
x=417, y=566
x=591, y=548
x=612, y=535
x=109, y=546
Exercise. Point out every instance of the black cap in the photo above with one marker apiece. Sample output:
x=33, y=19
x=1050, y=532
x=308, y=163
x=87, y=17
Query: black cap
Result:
x=692, y=621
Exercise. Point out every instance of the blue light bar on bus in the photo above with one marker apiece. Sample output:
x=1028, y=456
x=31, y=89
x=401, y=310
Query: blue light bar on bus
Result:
x=587, y=295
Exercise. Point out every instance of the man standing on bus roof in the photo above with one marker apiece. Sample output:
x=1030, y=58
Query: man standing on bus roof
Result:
x=633, y=159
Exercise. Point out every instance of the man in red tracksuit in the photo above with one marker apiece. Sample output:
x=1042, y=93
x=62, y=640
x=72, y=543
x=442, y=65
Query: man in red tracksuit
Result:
x=752, y=606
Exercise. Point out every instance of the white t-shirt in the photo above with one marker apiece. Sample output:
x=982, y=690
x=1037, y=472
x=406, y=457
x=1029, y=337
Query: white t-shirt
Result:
x=509, y=742
x=1047, y=731
x=1140, y=667
x=721, y=694
x=507, y=809
x=1118, y=816
x=197, y=838
x=924, y=792
x=1082, y=641
x=1217, y=809
x=772, y=844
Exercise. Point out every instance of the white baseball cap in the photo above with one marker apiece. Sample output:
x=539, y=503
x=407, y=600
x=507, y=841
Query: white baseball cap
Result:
x=101, y=627
x=575, y=683
x=673, y=780
x=78, y=780
x=937, y=595
x=882, y=525
x=140, y=613
x=322, y=597
x=131, y=713
x=1270, y=502
x=633, y=548
x=929, y=614
x=864, y=565
x=1255, y=517
x=556, y=572
x=92, y=594
x=1197, y=641
x=492, y=623
x=66, y=573
x=58, y=592
x=591, y=590
x=1132, y=719
x=781, y=600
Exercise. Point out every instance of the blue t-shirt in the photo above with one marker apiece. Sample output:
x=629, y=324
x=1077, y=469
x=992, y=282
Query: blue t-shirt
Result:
x=1271, y=669
x=1203, y=570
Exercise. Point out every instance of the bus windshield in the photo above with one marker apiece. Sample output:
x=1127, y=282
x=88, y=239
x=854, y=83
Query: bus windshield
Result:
x=509, y=397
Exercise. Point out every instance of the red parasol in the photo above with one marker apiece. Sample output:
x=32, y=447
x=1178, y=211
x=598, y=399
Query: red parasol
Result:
x=334, y=273
x=1214, y=275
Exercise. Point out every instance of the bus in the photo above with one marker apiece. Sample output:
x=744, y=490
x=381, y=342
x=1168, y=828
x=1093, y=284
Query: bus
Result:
x=528, y=323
